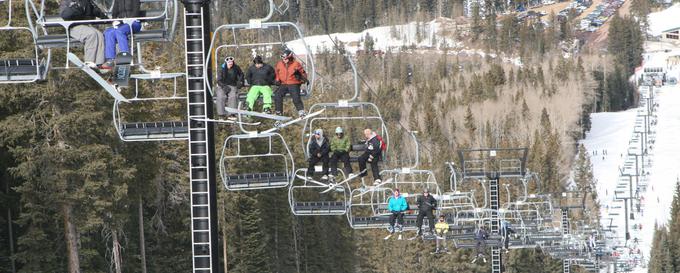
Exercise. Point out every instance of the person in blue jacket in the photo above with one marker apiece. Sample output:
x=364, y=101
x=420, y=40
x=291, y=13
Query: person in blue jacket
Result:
x=397, y=205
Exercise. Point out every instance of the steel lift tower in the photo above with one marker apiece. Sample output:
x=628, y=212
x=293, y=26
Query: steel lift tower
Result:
x=202, y=176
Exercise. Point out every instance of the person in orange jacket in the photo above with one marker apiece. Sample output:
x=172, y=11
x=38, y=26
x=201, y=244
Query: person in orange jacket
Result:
x=290, y=75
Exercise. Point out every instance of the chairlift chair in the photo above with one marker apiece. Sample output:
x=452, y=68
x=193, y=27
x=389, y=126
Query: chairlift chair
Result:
x=307, y=197
x=166, y=18
x=26, y=69
x=269, y=37
x=234, y=153
x=151, y=131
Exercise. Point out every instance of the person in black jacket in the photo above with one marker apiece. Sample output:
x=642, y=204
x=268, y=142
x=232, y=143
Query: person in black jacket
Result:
x=260, y=76
x=318, y=151
x=372, y=155
x=118, y=34
x=229, y=81
x=92, y=38
x=426, y=203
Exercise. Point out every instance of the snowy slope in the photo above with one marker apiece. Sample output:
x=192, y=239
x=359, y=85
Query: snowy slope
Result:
x=614, y=132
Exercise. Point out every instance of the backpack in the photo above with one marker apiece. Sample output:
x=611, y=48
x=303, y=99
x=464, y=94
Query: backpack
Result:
x=383, y=145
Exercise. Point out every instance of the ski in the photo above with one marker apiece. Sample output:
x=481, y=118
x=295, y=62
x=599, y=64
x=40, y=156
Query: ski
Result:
x=256, y=114
x=388, y=237
x=111, y=89
x=121, y=70
x=279, y=125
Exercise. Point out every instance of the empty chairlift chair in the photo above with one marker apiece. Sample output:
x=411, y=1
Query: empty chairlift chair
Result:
x=154, y=130
x=27, y=68
x=308, y=197
x=240, y=155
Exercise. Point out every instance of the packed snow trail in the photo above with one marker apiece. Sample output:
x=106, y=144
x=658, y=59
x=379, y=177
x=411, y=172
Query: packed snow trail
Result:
x=612, y=144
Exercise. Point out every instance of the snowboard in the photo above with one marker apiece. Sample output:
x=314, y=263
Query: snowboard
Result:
x=121, y=70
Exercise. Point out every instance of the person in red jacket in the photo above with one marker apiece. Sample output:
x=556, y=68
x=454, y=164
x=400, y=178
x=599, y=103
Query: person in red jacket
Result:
x=290, y=75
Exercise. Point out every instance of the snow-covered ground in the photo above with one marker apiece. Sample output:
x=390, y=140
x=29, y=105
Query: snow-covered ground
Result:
x=663, y=20
x=427, y=36
x=613, y=143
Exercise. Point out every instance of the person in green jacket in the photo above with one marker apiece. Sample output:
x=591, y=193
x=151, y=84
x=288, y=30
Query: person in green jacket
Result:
x=340, y=146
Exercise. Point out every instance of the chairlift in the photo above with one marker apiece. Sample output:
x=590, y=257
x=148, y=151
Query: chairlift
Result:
x=269, y=37
x=280, y=172
x=162, y=21
x=347, y=113
x=151, y=131
x=308, y=197
x=25, y=69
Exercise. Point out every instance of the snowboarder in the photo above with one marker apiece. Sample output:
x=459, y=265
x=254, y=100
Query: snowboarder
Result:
x=506, y=230
x=92, y=38
x=260, y=76
x=229, y=81
x=318, y=152
x=441, y=228
x=118, y=34
x=397, y=205
x=373, y=154
x=480, y=238
x=426, y=203
x=290, y=75
x=340, y=146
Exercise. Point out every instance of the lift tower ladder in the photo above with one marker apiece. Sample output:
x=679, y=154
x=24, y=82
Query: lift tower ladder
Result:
x=201, y=140
x=566, y=263
x=495, y=223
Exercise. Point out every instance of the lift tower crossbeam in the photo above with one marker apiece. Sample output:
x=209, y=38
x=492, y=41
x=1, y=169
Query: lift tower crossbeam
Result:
x=202, y=174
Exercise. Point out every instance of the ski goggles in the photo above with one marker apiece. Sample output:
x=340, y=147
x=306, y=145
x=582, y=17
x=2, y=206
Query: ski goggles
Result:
x=229, y=59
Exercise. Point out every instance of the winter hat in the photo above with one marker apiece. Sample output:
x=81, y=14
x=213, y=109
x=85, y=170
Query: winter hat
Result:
x=258, y=60
x=286, y=54
x=318, y=132
x=338, y=130
x=426, y=190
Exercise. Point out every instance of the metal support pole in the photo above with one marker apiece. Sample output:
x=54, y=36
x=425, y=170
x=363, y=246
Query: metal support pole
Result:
x=202, y=176
x=630, y=191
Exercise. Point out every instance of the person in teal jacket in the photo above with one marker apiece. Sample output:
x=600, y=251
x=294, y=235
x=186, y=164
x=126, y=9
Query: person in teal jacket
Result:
x=397, y=205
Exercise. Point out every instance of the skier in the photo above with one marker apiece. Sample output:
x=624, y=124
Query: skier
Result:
x=229, y=81
x=506, y=230
x=441, y=228
x=318, y=151
x=260, y=76
x=426, y=203
x=480, y=237
x=289, y=77
x=92, y=38
x=591, y=243
x=397, y=205
x=118, y=34
x=340, y=146
x=373, y=153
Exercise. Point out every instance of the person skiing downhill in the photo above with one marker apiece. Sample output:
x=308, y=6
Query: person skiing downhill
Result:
x=397, y=205
x=426, y=203
x=441, y=228
x=480, y=238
